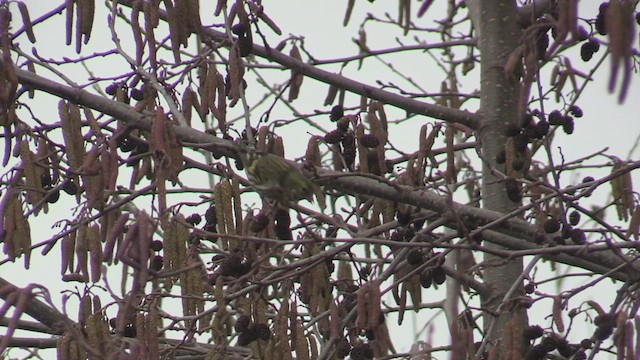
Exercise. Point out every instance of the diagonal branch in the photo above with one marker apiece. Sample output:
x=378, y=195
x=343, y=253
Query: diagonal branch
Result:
x=42, y=312
x=407, y=104
x=509, y=227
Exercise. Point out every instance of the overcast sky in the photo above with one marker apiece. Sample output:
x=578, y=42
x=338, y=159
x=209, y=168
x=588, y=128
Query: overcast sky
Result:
x=605, y=124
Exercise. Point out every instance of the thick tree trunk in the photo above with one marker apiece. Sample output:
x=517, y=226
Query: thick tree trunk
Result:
x=498, y=37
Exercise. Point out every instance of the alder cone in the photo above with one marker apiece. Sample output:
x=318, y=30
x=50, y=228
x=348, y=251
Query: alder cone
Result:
x=415, y=257
x=245, y=46
x=262, y=331
x=370, y=141
x=513, y=189
x=334, y=136
x=574, y=218
x=242, y=323
x=337, y=112
x=551, y=226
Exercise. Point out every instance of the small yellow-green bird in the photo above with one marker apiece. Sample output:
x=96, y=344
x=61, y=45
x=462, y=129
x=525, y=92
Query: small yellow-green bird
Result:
x=277, y=179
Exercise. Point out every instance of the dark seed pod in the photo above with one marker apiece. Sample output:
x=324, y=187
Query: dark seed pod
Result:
x=142, y=148
x=408, y=233
x=259, y=222
x=157, y=263
x=415, y=257
x=565, y=349
x=370, y=335
x=227, y=85
x=559, y=240
x=527, y=120
x=130, y=331
x=337, y=112
x=247, y=337
x=538, y=352
x=282, y=225
x=595, y=44
x=136, y=94
x=501, y=157
x=541, y=129
x=529, y=288
x=576, y=111
x=343, y=124
x=439, y=275
x=242, y=323
x=53, y=196
x=343, y=348
x=605, y=320
x=369, y=141
x=156, y=245
x=239, y=29
x=210, y=215
x=348, y=140
x=477, y=238
x=262, y=331
x=588, y=179
x=70, y=187
x=349, y=149
x=126, y=144
x=580, y=355
x=397, y=235
x=542, y=42
x=586, y=343
x=194, y=219
x=539, y=238
x=513, y=189
x=210, y=227
x=112, y=89
x=517, y=164
x=234, y=266
x=603, y=332
x=334, y=136
x=550, y=343
x=574, y=218
x=521, y=141
x=245, y=46
x=362, y=351
x=568, y=125
x=586, y=52
x=332, y=232
x=254, y=131
x=45, y=179
x=532, y=332
x=403, y=217
x=578, y=236
x=331, y=267
x=551, y=226
x=600, y=25
x=512, y=130
x=364, y=272
x=426, y=279
x=419, y=223
x=556, y=118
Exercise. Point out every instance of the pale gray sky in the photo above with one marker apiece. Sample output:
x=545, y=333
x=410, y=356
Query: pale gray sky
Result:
x=605, y=124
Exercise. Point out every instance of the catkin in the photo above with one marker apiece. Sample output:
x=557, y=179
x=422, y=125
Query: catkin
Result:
x=26, y=20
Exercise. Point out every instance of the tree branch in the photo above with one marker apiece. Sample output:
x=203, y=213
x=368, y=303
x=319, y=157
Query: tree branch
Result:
x=465, y=118
x=508, y=225
x=42, y=312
